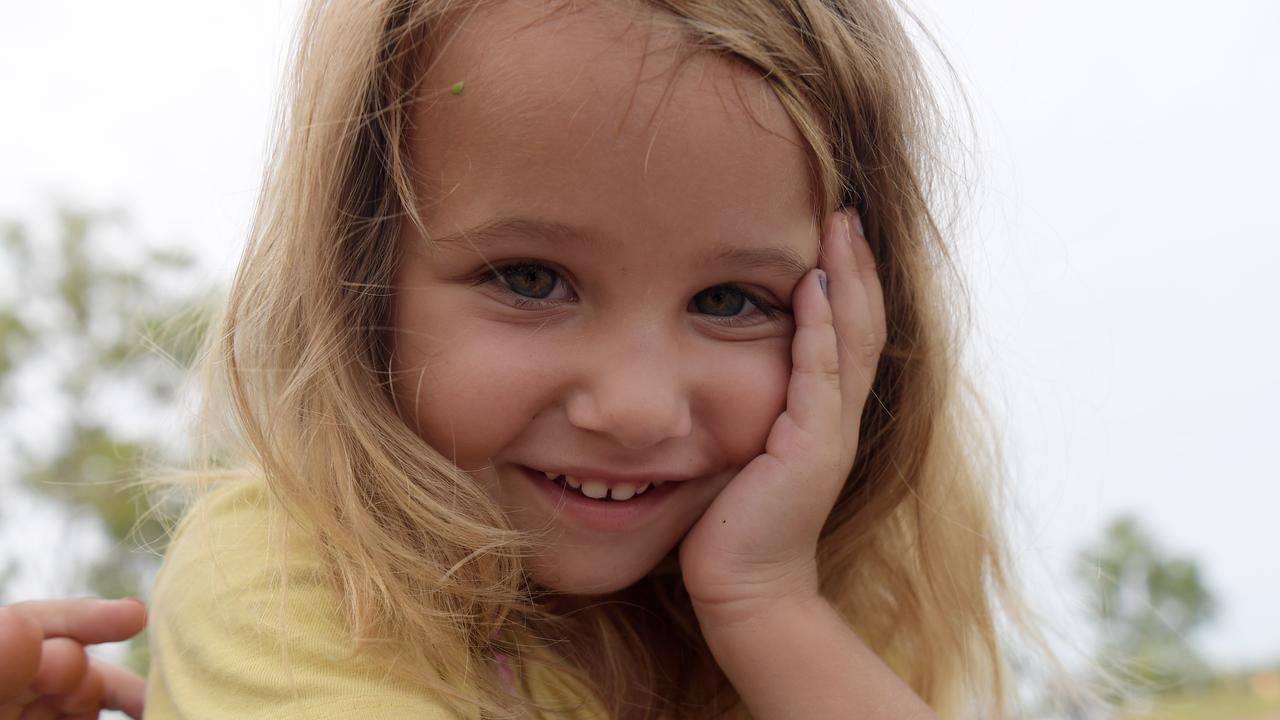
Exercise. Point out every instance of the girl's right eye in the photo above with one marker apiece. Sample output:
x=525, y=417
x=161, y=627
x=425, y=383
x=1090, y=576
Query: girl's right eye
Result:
x=530, y=283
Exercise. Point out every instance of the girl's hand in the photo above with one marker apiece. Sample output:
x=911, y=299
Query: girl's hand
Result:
x=45, y=671
x=757, y=543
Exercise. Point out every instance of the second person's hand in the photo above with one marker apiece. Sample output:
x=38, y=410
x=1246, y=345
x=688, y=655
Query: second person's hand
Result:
x=46, y=672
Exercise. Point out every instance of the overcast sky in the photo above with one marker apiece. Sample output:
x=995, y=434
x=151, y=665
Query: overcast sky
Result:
x=1123, y=248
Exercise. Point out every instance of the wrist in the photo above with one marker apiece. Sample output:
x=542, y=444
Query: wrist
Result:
x=779, y=607
x=798, y=657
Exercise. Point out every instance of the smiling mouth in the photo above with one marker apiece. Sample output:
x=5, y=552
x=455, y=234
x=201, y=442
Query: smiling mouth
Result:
x=599, y=489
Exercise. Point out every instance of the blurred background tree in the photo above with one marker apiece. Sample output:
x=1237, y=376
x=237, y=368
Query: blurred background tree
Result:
x=96, y=336
x=1146, y=606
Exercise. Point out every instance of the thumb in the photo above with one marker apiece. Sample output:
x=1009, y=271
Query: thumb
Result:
x=20, y=640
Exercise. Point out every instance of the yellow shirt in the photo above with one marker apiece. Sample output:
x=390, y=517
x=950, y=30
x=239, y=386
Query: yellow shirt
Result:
x=243, y=626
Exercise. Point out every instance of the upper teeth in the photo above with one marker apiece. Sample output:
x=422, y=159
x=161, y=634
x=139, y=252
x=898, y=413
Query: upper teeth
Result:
x=599, y=490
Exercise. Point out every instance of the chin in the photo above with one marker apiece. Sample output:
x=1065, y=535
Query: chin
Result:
x=601, y=577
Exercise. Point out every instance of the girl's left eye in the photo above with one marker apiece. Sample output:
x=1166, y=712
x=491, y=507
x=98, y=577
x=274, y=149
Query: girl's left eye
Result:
x=732, y=305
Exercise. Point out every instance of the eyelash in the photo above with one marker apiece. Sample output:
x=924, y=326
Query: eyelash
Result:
x=494, y=275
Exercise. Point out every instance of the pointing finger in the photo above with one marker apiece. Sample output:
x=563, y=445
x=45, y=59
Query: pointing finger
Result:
x=86, y=620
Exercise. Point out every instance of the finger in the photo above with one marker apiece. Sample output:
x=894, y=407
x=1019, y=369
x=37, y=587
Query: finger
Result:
x=124, y=690
x=813, y=394
x=870, y=276
x=857, y=306
x=62, y=665
x=85, y=697
x=42, y=709
x=20, y=640
x=88, y=620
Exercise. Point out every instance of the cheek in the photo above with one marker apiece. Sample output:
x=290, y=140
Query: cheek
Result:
x=464, y=391
x=745, y=390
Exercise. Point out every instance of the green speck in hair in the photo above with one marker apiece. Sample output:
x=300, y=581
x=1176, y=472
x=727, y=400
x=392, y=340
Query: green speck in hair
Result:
x=456, y=89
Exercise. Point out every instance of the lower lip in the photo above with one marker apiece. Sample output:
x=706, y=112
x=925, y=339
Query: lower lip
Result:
x=605, y=516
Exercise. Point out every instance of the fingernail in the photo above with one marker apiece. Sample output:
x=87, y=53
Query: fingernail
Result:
x=853, y=225
x=822, y=282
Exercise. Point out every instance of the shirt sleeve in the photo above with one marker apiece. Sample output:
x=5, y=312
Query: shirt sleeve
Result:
x=244, y=624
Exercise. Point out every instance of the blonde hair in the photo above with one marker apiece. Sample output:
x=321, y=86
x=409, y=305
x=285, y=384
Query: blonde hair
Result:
x=425, y=564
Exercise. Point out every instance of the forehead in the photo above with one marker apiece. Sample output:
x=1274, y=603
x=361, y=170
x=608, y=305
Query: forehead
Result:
x=599, y=116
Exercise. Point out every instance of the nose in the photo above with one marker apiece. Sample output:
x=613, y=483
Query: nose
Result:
x=634, y=393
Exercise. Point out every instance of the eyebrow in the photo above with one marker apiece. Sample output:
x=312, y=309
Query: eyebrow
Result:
x=497, y=228
x=784, y=261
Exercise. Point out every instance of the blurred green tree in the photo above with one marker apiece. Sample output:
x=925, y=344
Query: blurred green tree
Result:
x=96, y=336
x=1146, y=606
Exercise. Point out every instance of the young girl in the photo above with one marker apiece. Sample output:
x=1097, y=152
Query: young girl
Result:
x=592, y=360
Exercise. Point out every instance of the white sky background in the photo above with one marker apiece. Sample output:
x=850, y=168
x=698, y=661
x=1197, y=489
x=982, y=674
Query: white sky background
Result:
x=1122, y=252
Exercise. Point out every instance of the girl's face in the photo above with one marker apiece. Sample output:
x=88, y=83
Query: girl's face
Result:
x=616, y=236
